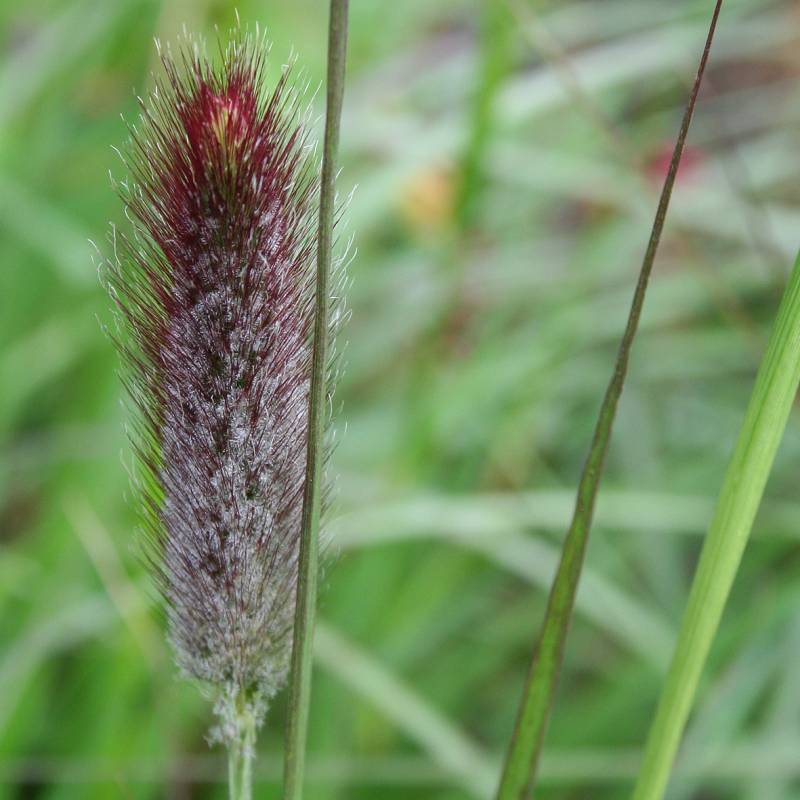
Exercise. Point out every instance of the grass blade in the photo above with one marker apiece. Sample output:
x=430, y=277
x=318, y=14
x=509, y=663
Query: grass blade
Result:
x=534, y=711
x=749, y=467
x=300, y=683
x=495, y=24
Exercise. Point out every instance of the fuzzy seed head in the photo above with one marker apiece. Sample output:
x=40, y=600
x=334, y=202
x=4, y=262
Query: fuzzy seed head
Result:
x=214, y=292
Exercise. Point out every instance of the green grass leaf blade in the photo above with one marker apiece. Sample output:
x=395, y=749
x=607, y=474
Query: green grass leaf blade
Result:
x=519, y=771
x=740, y=496
x=308, y=566
x=495, y=35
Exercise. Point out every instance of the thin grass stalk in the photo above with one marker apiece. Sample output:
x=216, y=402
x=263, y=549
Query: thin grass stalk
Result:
x=761, y=432
x=524, y=750
x=305, y=609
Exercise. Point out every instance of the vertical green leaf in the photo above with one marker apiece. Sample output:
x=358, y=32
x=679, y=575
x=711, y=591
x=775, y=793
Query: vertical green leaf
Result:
x=739, y=498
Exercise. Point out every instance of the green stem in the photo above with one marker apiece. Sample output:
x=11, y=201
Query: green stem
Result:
x=748, y=470
x=305, y=610
x=534, y=712
x=240, y=760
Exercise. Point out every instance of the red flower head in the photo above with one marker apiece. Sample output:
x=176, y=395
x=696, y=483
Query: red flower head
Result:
x=214, y=289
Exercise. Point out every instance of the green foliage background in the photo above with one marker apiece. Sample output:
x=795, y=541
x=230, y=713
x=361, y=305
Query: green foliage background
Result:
x=507, y=157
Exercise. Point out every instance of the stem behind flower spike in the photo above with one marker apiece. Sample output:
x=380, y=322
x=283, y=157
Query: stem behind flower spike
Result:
x=305, y=607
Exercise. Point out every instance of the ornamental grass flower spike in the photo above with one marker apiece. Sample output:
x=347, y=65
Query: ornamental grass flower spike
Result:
x=214, y=288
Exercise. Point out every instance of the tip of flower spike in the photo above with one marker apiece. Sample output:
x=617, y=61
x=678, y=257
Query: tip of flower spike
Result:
x=221, y=118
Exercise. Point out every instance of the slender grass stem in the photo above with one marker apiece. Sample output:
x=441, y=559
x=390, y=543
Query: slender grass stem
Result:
x=300, y=684
x=534, y=711
x=240, y=760
x=748, y=470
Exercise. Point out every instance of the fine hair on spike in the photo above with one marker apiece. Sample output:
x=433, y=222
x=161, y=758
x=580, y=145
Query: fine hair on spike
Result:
x=213, y=288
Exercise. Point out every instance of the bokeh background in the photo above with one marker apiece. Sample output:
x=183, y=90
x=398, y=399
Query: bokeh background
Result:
x=507, y=157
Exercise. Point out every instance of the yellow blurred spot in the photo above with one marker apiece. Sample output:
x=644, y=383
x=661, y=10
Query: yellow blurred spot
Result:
x=427, y=200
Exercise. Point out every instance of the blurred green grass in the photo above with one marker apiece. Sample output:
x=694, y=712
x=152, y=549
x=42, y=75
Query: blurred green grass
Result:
x=506, y=167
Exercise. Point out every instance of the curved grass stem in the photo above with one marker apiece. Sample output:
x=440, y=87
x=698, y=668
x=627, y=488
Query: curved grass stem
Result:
x=300, y=682
x=739, y=498
x=534, y=711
